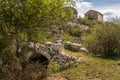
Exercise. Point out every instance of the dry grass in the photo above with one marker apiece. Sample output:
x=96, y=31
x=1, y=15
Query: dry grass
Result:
x=31, y=72
x=93, y=68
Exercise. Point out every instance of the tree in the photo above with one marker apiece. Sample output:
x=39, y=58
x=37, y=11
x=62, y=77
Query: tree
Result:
x=18, y=18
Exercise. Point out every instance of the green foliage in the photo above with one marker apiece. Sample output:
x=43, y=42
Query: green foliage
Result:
x=30, y=20
x=116, y=20
x=55, y=67
x=76, y=32
x=71, y=64
x=71, y=12
x=67, y=37
x=87, y=22
x=27, y=20
x=5, y=50
x=39, y=35
x=104, y=40
x=19, y=16
x=93, y=68
x=3, y=45
x=13, y=71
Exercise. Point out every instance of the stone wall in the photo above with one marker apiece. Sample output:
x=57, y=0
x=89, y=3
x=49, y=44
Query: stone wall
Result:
x=51, y=52
x=94, y=15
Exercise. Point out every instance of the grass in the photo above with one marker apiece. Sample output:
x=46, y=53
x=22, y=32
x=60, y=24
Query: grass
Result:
x=92, y=68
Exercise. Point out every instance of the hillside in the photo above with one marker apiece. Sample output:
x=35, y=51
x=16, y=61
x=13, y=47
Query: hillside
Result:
x=44, y=40
x=91, y=68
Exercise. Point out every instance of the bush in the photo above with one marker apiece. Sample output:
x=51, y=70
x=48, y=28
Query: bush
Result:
x=76, y=32
x=87, y=22
x=5, y=50
x=13, y=71
x=67, y=37
x=55, y=67
x=105, y=40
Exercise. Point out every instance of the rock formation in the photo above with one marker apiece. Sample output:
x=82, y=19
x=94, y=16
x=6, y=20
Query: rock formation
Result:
x=48, y=53
x=75, y=47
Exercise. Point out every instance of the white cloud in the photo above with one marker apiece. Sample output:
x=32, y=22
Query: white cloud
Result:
x=109, y=12
x=83, y=4
x=82, y=7
x=79, y=0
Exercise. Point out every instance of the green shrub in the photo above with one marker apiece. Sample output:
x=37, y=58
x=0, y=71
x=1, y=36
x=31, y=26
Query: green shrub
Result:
x=13, y=71
x=71, y=63
x=55, y=67
x=105, y=40
x=5, y=50
x=87, y=22
x=76, y=32
x=67, y=37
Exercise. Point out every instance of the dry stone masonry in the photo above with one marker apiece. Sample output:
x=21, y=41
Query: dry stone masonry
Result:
x=51, y=52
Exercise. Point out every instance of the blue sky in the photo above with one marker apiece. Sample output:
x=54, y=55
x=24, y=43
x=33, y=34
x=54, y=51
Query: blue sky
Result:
x=105, y=2
x=109, y=8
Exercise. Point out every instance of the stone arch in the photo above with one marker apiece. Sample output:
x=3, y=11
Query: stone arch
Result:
x=41, y=58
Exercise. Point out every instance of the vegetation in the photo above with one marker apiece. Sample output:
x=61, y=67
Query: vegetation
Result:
x=76, y=32
x=25, y=21
x=104, y=40
x=71, y=34
x=28, y=20
x=92, y=68
x=42, y=20
x=68, y=37
x=13, y=71
x=55, y=67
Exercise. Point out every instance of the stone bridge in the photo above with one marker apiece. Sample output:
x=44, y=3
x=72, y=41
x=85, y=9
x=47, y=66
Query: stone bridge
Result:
x=41, y=52
x=48, y=53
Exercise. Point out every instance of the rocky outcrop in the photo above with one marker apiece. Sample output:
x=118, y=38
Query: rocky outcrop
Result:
x=74, y=47
x=62, y=61
x=50, y=52
x=82, y=49
x=85, y=28
x=49, y=49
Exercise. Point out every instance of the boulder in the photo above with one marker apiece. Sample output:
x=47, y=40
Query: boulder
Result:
x=118, y=63
x=54, y=47
x=83, y=49
x=72, y=46
x=64, y=61
x=85, y=28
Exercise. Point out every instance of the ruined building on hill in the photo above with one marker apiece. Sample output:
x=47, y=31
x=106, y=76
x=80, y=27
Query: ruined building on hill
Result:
x=94, y=15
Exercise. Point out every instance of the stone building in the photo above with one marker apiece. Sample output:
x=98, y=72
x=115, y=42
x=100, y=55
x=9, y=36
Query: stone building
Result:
x=94, y=15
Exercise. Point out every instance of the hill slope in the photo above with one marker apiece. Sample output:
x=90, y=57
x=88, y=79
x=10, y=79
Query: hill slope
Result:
x=91, y=68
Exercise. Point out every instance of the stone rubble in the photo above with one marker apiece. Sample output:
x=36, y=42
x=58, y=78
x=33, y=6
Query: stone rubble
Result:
x=74, y=47
x=53, y=52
